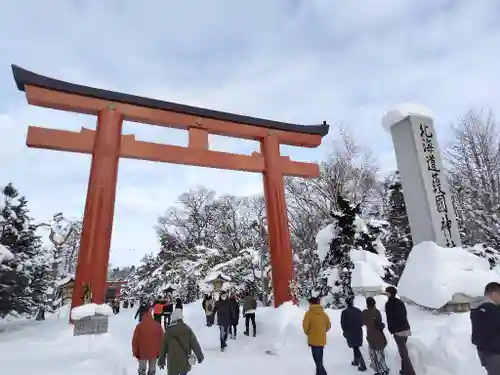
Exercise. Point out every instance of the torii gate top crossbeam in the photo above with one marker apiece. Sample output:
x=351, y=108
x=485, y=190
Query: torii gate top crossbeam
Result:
x=48, y=92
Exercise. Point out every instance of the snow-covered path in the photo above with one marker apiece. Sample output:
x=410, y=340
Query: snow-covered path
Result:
x=49, y=348
x=440, y=347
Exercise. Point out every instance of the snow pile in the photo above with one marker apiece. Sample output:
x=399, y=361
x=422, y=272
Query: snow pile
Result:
x=282, y=319
x=369, y=268
x=90, y=309
x=5, y=254
x=401, y=112
x=433, y=274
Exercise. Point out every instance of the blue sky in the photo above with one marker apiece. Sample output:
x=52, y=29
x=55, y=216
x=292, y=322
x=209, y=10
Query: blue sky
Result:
x=301, y=61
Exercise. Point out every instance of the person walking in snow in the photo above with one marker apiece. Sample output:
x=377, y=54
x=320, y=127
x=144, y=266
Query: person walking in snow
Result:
x=235, y=316
x=208, y=306
x=168, y=309
x=222, y=309
x=397, y=323
x=316, y=324
x=143, y=309
x=485, y=321
x=372, y=319
x=249, y=309
x=158, y=309
x=180, y=348
x=352, y=328
x=146, y=343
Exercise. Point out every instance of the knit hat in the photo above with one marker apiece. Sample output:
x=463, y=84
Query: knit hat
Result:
x=176, y=315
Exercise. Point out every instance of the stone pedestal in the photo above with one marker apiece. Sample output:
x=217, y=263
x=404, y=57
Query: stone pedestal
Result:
x=91, y=325
x=425, y=188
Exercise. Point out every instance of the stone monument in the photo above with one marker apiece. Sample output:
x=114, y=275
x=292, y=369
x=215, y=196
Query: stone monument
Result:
x=427, y=196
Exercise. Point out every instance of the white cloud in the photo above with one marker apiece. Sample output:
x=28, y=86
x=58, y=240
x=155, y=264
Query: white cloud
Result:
x=292, y=60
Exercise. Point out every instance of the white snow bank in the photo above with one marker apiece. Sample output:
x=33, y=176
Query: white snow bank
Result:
x=363, y=276
x=433, y=274
x=369, y=269
x=402, y=111
x=90, y=309
x=5, y=254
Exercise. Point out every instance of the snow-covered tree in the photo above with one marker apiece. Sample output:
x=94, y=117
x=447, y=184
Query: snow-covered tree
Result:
x=29, y=279
x=398, y=242
x=349, y=233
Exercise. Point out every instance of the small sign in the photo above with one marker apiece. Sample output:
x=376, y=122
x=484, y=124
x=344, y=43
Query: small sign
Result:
x=91, y=325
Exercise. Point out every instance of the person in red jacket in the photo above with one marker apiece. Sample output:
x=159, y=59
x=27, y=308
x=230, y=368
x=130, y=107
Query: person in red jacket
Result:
x=146, y=344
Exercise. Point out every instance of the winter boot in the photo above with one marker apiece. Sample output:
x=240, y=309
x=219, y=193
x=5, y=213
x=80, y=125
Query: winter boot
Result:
x=246, y=333
x=362, y=367
x=355, y=362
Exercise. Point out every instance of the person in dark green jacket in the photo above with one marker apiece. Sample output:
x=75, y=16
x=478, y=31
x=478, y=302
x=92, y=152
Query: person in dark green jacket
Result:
x=178, y=346
x=249, y=308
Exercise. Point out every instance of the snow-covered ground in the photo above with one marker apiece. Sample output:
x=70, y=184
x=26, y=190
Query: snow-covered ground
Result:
x=440, y=345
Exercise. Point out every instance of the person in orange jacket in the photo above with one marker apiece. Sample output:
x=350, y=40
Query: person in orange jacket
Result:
x=316, y=324
x=146, y=344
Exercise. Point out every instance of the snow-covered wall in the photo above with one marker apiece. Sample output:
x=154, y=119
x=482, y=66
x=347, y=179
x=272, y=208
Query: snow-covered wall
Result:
x=433, y=274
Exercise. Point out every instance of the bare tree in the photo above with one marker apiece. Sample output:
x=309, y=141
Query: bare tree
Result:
x=473, y=163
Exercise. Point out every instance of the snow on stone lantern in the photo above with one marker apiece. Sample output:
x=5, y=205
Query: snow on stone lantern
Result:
x=218, y=281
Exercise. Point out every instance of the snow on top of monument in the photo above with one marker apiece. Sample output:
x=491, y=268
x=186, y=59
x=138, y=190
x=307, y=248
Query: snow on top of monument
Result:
x=433, y=274
x=401, y=112
x=90, y=309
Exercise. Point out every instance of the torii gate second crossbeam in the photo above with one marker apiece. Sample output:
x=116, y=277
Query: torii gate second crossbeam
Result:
x=107, y=145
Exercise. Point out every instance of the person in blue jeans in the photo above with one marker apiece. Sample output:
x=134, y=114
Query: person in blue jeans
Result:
x=316, y=324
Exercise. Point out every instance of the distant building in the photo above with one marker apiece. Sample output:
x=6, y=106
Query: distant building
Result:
x=66, y=286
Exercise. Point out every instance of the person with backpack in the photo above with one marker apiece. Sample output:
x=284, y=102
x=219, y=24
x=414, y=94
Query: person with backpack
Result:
x=208, y=305
x=372, y=320
x=352, y=328
x=316, y=324
x=146, y=343
x=235, y=316
x=399, y=327
x=180, y=348
x=485, y=321
x=249, y=309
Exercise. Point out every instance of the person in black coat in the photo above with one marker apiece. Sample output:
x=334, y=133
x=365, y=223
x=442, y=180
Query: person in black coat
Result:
x=235, y=316
x=143, y=309
x=399, y=327
x=485, y=321
x=351, y=322
x=223, y=309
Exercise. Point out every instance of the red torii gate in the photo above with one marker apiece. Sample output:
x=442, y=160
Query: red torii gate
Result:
x=107, y=145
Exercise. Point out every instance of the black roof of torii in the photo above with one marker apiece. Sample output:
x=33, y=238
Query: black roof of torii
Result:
x=25, y=77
